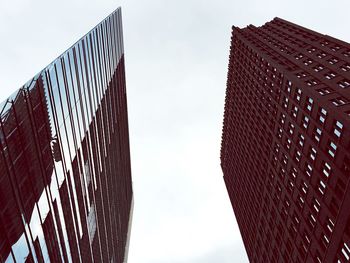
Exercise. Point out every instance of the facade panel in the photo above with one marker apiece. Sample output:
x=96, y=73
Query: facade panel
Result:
x=286, y=142
x=65, y=184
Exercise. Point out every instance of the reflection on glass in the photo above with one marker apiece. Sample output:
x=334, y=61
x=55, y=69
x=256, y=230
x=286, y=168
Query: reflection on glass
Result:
x=53, y=154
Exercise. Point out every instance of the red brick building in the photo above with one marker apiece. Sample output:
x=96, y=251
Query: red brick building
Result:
x=285, y=150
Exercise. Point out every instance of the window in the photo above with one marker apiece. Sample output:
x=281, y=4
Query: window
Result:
x=322, y=187
x=345, y=67
x=299, y=56
x=288, y=143
x=309, y=103
x=332, y=61
x=297, y=156
x=326, y=170
x=306, y=122
x=301, y=75
x=297, y=95
x=330, y=225
x=291, y=128
x=304, y=188
x=322, y=114
x=312, y=220
x=335, y=48
x=330, y=75
x=308, y=170
x=312, y=153
x=311, y=49
x=321, y=55
x=324, y=43
x=301, y=140
x=346, y=251
x=317, y=134
x=282, y=119
x=325, y=240
x=344, y=84
x=318, y=68
x=285, y=102
x=311, y=82
x=316, y=205
x=295, y=112
x=346, y=53
x=324, y=91
x=339, y=101
x=279, y=133
x=338, y=129
x=332, y=148
x=307, y=62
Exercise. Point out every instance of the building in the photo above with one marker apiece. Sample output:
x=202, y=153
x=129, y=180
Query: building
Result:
x=285, y=151
x=65, y=181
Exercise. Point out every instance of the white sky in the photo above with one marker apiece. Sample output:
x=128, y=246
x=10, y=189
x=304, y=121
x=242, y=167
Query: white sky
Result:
x=176, y=64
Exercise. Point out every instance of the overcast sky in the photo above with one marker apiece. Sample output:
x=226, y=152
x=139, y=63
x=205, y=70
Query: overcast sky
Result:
x=176, y=55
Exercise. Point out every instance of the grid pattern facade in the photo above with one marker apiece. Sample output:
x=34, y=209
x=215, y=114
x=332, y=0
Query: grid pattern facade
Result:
x=65, y=179
x=285, y=150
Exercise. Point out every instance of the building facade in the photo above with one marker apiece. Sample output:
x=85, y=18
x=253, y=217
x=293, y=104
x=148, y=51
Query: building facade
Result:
x=285, y=150
x=65, y=180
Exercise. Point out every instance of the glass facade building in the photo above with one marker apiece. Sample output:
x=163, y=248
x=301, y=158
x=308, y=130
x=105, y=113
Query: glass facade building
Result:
x=285, y=150
x=65, y=179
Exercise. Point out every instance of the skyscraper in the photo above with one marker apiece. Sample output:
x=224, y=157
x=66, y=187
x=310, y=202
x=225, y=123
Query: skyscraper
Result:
x=65, y=181
x=285, y=151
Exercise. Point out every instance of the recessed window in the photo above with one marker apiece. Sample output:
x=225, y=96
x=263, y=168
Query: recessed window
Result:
x=312, y=153
x=326, y=170
x=309, y=104
x=301, y=140
x=322, y=187
x=339, y=101
x=282, y=119
x=325, y=240
x=297, y=95
x=332, y=61
x=295, y=112
x=306, y=121
x=304, y=188
x=317, y=134
x=332, y=148
x=308, y=62
x=318, y=68
x=346, y=251
x=330, y=75
x=335, y=48
x=297, y=156
x=308, y=170
x=301, y=75
x=312, y=220
x=345, y=67
x=330, y=224
x=324, y=91
x=338, y=129
x=344, y=84
x=346, y=53
x=322, y=114
x=285, y=102
x=291, y=128
x=299, y=56
x=316, y=205
x=311, y=82
x=321, y=55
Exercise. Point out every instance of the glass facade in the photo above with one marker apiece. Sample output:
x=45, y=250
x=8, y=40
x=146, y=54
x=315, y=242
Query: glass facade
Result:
x=65, y=180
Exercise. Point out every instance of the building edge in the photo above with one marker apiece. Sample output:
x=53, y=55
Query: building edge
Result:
x=126, y=253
